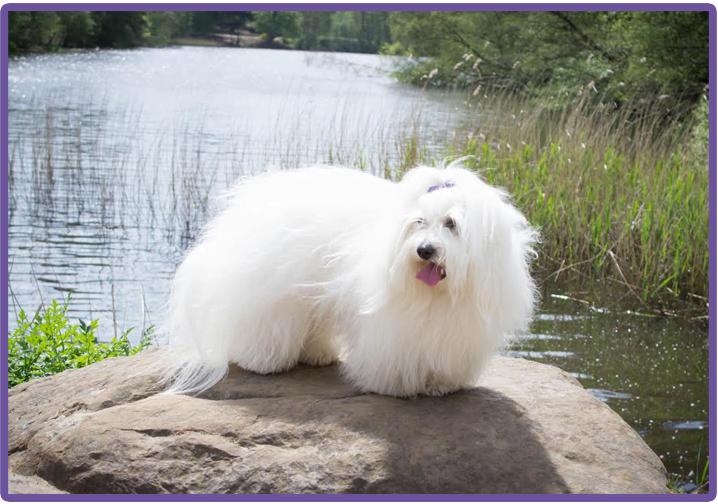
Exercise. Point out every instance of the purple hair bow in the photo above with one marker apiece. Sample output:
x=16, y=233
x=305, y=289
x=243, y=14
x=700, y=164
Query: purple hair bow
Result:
x=442, y=186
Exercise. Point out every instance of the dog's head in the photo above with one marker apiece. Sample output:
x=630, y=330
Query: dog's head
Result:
x=462, y=238
x=434, y=248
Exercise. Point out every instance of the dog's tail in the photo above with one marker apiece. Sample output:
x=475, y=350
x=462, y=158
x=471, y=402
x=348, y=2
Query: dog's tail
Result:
x=186, y=372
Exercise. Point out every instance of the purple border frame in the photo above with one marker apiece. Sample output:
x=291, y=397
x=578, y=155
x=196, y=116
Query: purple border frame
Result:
x=355, y=7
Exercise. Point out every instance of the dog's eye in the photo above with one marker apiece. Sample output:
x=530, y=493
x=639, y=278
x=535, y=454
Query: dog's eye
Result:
x=450, y=224
x=420, y=222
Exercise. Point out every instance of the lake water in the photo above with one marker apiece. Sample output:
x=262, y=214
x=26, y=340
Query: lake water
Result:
x=116, y=158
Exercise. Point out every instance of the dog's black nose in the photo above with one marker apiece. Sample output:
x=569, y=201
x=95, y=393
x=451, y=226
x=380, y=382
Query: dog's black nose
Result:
x=426, y=252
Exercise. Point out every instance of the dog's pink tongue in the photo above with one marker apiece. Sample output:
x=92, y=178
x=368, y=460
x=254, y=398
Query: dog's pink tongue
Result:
x=430, y=275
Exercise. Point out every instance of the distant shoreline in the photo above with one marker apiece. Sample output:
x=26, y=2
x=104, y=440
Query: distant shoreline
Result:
x=243, y=39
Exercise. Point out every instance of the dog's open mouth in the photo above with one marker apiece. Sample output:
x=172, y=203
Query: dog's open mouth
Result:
x=431, y=274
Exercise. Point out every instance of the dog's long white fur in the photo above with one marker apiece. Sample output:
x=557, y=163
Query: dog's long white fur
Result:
x=304, y=262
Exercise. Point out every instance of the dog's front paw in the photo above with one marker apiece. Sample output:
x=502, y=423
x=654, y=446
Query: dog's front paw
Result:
x=436, y=386
x=317, y=360
x=318, y=355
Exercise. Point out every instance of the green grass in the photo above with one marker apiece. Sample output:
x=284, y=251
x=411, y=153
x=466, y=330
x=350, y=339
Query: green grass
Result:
x=49, y=343
x=644, y=227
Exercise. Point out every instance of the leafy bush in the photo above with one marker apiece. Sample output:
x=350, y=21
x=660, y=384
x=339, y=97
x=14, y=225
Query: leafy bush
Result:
x=48, y=344
x=395, y=49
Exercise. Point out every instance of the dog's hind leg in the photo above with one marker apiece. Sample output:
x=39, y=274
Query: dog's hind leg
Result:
x=271, y=343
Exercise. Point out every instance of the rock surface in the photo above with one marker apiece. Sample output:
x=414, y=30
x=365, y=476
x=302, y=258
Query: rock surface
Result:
x=526, y=428
x=30, y=485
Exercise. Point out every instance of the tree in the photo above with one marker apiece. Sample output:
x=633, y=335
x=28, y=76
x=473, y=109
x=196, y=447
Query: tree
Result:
x=276, y=23
x=121, y=29
x=312, y=26
x=18, y=26
x=33, y=30
x=163, y=26
x=78, y=28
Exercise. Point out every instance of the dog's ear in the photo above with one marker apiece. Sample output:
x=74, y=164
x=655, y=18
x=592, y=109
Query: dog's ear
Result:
x=500, y=244
x=518, y=286
x=505, y=291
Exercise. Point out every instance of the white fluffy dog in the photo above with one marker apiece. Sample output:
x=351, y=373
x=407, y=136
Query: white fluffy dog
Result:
x=419, y=281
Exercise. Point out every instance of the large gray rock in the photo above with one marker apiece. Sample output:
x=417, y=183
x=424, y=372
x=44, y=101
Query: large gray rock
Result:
x=526, y=428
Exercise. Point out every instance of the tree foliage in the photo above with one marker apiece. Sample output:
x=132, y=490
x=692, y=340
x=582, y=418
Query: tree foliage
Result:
x=623, y=55
x=121, y=29
x=276, y=23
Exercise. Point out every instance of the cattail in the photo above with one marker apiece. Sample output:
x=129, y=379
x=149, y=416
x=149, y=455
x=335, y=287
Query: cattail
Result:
x=458, y=65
